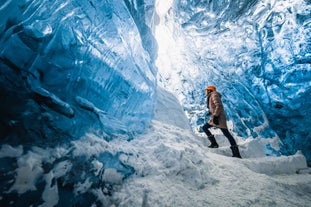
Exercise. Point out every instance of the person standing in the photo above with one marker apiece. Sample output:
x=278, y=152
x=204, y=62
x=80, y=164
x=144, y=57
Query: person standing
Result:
x=218, y=119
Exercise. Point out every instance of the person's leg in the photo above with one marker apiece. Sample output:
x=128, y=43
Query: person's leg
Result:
x=234, y=147
x=229, y=136
x=210, y=136
x=205, y=129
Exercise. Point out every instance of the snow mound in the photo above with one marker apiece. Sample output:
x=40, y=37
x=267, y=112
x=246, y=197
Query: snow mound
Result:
x=280, y=165
x=176, y=168
x=169, y=165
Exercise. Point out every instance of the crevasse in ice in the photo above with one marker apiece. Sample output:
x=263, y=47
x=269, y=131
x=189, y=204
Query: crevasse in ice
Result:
x=72, y=67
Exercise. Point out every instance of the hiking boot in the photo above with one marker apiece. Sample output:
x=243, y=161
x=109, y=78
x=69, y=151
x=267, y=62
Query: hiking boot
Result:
x=213, y=142
x=235, y=151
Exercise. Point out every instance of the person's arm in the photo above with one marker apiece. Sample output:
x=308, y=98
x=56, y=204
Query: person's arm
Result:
x=218, y=105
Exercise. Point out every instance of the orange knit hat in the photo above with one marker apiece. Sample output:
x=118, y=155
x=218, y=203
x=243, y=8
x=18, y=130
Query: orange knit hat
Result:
x=210, y=88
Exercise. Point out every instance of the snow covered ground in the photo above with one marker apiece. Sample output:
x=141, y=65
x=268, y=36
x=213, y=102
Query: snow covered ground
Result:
x=173, y=167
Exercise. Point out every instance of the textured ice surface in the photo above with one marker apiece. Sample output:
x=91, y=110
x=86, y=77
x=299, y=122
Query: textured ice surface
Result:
x=72, y=67
x=76, y=76
x=258, y=55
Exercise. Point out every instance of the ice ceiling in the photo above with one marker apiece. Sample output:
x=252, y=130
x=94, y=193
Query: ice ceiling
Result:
x=72, y=67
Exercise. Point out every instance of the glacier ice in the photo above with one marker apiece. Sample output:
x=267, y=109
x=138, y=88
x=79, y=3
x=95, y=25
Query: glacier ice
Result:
x=258, y=55
x=71, y=67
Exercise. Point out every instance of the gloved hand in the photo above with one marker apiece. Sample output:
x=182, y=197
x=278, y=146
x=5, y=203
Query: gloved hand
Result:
x=216, y=120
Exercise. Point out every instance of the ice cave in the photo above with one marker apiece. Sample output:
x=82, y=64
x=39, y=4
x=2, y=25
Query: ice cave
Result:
x=80, y=75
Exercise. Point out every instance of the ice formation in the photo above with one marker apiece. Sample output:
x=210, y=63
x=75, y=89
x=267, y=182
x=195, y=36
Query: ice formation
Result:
x=76, y=76
x=73, y=67
x=257, y=53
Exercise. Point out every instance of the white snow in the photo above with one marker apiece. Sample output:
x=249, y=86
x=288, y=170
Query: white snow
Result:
x=9, y=151
x=50, y=194
x=112, y=176
x=173, y=167
x=28, y=171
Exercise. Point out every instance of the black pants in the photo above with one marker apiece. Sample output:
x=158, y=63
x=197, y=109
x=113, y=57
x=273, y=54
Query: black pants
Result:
x=224, y=131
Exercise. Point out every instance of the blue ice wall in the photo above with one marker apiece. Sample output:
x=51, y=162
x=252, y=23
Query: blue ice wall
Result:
x=258, y=54
x=72, y=67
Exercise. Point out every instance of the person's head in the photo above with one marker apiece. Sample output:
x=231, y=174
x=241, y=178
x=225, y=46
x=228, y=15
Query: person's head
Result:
x=209, y=89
